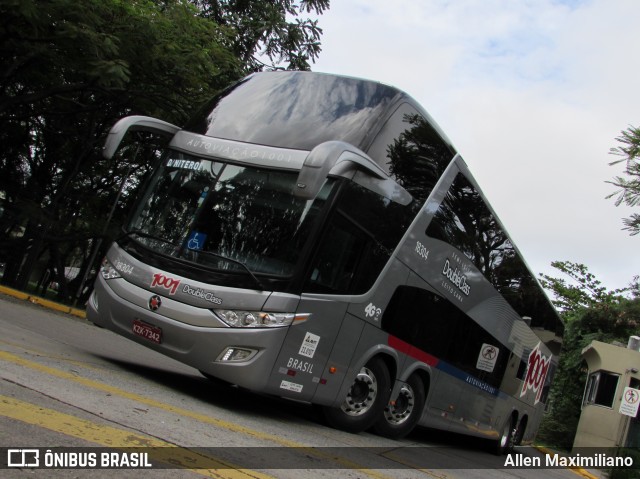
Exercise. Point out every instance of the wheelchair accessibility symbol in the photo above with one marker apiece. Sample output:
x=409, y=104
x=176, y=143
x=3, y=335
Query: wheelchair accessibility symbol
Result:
x=196, y=240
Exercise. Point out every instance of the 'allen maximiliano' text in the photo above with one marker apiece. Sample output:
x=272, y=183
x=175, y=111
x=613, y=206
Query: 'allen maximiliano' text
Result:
x=593, y=461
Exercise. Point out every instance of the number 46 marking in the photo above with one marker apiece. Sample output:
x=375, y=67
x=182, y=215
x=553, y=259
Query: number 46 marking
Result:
x=371, y=311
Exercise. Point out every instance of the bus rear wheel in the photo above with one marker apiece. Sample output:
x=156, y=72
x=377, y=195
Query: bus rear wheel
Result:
x=365, y=400
x=518, y=435
x=402, y=414
x=504, y=444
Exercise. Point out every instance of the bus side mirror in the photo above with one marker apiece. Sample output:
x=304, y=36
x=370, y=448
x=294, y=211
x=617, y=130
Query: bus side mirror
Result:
x=331, y=157
x=140, y=123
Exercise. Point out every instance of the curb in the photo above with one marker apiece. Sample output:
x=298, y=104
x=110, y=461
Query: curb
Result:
x=577, y=470
x=63, y=308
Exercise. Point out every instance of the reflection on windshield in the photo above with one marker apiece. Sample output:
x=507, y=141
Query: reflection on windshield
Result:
x=311, y=109
x=224, y=216
x=464, y=221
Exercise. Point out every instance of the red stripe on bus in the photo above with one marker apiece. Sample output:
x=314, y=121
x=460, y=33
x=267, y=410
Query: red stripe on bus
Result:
x=412, y=351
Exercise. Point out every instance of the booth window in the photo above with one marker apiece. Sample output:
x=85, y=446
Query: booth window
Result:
x=601, y=388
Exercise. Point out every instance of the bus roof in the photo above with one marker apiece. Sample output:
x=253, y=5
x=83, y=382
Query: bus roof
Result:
x=299, y=110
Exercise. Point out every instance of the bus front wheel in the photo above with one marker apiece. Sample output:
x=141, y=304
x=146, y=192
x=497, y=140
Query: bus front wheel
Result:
x=402, y=414
x=365, y=400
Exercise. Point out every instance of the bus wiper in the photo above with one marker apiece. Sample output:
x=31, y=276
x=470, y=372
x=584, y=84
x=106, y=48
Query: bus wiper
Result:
x=216, y=255
x=231, y=260
x=150, y=236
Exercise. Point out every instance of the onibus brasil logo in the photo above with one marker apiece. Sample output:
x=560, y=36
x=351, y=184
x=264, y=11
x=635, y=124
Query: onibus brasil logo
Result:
x=537, y=369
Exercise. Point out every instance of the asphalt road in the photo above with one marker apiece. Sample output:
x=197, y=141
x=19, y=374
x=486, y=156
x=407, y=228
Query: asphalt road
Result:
x=66, y=386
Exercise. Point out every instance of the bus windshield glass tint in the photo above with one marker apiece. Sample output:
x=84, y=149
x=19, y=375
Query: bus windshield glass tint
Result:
x=226, y=217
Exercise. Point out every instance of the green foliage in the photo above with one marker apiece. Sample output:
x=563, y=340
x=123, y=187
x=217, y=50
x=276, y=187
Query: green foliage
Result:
x=591, y=313
x=628, y=191
x=586, y=291
x=614, y=323
x=626, y=472
x=269, y=28
x=71, y=68
x=65, y=54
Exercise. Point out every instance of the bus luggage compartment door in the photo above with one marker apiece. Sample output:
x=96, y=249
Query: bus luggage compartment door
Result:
x=299, y=369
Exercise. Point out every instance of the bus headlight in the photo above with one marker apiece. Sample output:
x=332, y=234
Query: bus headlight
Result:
x=258, y=319
x=108, y=271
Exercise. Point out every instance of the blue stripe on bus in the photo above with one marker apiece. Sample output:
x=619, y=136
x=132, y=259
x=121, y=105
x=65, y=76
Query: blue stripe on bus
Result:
x=469, y=379
x=443, y=366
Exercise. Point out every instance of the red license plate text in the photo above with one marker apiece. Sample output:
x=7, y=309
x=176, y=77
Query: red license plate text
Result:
x=147, y=331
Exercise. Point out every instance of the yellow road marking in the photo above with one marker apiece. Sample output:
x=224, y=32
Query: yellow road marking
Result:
x=141, y=399
x=578, y=470
x=119, y=438
x=230, y=426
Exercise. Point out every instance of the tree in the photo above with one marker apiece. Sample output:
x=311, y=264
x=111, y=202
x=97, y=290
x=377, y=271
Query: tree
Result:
x=614, y=323
x=71, y=68
x=590, y=312
x=628, y=185
x=586, y=291
x=271, y=28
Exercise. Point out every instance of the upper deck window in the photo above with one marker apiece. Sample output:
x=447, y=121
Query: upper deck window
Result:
x=465, y=222
x=297, y=110
x=410, y=149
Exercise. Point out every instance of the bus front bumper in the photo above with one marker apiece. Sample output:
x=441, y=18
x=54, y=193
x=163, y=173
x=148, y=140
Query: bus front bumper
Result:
x=242, y=356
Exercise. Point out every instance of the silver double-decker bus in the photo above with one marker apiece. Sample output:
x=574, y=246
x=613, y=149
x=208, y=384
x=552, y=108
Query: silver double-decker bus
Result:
x=318, y=237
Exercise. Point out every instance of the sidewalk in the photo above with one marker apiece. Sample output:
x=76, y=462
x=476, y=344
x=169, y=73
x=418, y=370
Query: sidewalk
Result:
x=63, y=308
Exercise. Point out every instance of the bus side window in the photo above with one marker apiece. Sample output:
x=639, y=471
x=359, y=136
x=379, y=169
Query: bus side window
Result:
x=423, y=319
x=436, y=326
x=410, y=149
x=343, y=250
x=466, y=222
x=360, y=236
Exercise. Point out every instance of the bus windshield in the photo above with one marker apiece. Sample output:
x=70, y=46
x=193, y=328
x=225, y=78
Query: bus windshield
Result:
x=226, y=217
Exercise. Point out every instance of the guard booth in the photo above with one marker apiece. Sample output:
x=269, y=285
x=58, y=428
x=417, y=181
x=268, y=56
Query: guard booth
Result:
x=609, y=417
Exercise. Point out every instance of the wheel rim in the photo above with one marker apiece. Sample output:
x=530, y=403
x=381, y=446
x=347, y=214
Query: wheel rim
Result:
x=503, y=439
x=401, y=410
x=362, y=394
x=507, y=434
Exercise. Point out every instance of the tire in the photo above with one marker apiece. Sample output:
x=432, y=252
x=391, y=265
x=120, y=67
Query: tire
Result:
x=504, y=444
x=518, y=434
x=398, y=419
x=367, y=397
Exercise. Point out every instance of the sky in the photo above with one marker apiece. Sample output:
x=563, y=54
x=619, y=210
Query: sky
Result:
x=532, y=93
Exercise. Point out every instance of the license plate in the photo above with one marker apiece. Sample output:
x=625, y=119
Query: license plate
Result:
x=147, y=331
